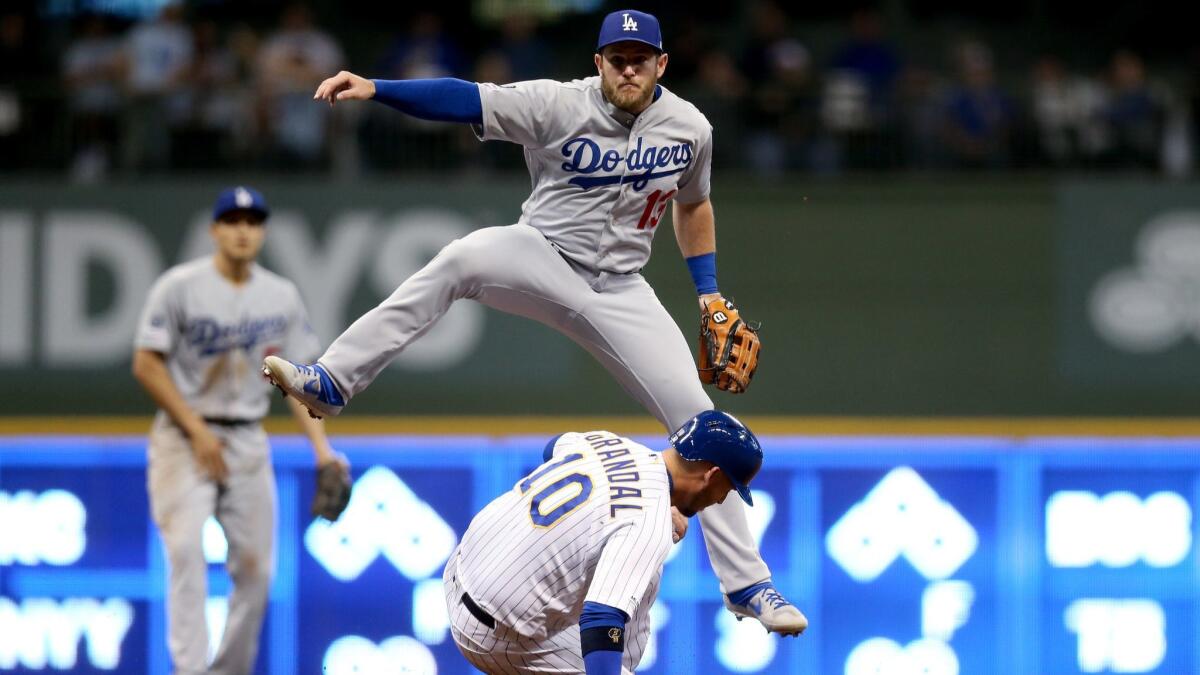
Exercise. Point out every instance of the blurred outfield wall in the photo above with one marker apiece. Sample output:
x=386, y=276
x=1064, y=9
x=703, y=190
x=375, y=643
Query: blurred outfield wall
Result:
x=913, y=297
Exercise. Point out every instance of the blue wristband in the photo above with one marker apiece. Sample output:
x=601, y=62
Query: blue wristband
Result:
x=704, y=272
x=444, y=99
x=602, y=638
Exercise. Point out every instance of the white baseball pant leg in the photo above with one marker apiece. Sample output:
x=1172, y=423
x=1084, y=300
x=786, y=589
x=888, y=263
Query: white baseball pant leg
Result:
x=182, y=498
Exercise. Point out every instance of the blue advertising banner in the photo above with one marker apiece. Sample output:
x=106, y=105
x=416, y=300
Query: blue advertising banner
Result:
x=930, y=555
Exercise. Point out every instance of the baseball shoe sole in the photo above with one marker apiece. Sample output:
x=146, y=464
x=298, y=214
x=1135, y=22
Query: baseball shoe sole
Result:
x=308, y=384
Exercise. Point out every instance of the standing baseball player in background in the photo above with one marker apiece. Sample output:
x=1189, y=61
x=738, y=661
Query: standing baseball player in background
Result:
x=558, y=574
x=606, y=155
x=206, y=326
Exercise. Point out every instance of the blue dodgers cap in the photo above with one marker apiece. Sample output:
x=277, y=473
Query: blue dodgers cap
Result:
x=630, y=24
x=240, y=198
x=720, y=438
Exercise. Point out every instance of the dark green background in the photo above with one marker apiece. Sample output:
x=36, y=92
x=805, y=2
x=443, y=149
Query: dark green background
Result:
x=892, y=297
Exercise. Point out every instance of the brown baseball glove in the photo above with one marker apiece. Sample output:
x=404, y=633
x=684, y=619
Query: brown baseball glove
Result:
x=728, y=354
x=333, y=490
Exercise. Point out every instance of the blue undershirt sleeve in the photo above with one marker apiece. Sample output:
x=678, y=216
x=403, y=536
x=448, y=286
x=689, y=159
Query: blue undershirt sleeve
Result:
x=602, y=638
x=548, y=451
x=444, y=99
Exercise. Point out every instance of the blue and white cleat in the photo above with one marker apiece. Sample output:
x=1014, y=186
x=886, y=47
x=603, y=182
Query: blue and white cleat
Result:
x=761, y=601
x=310, y=385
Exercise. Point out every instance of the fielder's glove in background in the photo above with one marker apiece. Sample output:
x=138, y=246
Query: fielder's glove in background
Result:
x=333, y=490
x=728, y=347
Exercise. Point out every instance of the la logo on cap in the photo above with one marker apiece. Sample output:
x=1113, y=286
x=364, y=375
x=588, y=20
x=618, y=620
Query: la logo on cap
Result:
x=629, y=24
x=243, y=198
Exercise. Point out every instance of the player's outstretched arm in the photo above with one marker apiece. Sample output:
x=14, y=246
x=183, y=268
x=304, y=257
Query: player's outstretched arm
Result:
x=345, y=86
x=443, y=99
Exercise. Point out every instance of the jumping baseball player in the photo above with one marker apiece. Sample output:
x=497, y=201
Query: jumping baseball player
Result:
x=206, y=326
x=558, y=574
x=607, y=155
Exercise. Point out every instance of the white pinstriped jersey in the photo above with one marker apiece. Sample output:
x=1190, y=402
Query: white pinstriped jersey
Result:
x=591, y=524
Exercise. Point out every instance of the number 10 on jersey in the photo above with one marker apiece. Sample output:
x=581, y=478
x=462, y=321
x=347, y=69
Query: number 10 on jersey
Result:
x=575, y=481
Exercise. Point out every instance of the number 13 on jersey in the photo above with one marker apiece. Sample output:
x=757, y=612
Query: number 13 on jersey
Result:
x=656, y=205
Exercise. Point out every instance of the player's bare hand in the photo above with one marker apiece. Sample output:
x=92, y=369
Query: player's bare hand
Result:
x=345, y=86
x=208, y=450
x=679, y=525
x=707, y=298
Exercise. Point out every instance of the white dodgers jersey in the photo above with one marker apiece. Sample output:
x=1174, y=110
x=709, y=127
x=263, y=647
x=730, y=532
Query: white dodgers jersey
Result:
x=215, y=335
x=602, y=178
x=591, y=524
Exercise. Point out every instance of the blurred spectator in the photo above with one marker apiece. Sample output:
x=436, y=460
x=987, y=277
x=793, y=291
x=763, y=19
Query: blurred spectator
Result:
x=292, y=62
x=781, y=109
x=1065, y=114
x=528, y=56
x=857, y=103
x=719, y=91
x=921, y=104
x=425, y=51
x=688, y=45
x=17, y=63
x=157, y=61
x=1133, y=113
x=219, y=110
x=978, y=115
x=871, y=56
x=494, y=67
x=91, y=71
x=400, y=141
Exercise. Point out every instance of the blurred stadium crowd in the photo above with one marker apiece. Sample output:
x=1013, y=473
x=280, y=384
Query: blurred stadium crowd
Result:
x=188, y=87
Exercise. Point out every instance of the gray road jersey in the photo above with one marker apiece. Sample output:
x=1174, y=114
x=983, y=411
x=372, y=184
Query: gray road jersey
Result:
x=215, y=335
x=602, y=178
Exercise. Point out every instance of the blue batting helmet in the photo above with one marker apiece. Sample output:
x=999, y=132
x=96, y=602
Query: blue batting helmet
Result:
x=719, y=437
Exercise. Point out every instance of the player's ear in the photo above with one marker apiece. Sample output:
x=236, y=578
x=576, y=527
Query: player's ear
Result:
x=596, y=58
x=662, y=64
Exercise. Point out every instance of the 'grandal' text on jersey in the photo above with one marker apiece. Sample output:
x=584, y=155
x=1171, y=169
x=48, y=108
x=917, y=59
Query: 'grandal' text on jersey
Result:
x=617, y=470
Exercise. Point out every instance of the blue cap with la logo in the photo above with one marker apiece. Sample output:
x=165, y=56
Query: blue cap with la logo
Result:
x=630, y=24
x=240, y=198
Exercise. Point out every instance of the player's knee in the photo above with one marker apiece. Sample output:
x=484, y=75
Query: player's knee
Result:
x=185, y=555
x=466, y=259
x=249, y=569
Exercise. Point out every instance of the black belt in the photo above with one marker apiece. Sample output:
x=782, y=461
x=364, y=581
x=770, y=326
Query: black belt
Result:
x=477, y=612
x=230, y=421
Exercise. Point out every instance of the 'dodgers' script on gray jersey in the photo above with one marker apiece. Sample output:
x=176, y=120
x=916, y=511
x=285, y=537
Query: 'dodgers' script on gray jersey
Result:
x=602, y=178
x=215, y=335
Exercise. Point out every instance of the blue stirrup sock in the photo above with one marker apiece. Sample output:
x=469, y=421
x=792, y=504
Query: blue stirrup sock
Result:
x=743, y=596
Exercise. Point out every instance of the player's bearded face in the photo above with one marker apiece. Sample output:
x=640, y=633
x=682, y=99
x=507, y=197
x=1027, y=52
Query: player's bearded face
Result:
x=239, y=236
x=629, y=72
